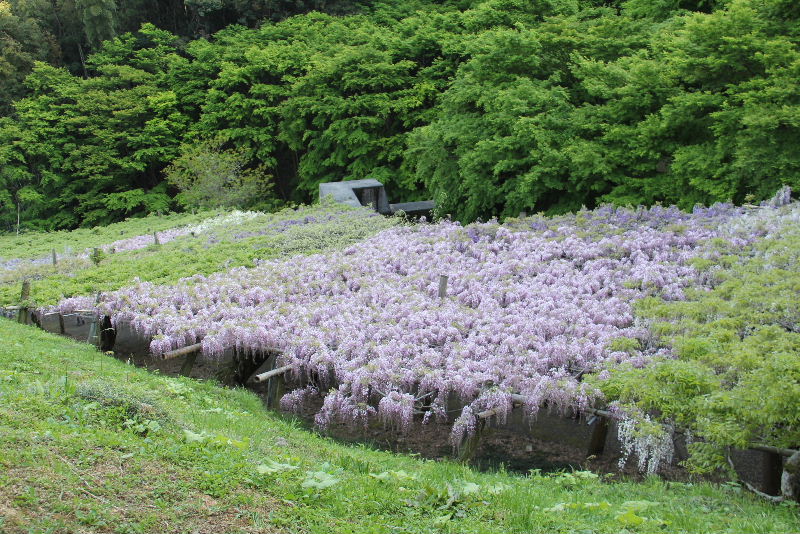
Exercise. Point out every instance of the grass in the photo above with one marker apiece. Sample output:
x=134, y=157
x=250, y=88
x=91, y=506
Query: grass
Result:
x=307, y=230
x=90, y=444
x=29, y=245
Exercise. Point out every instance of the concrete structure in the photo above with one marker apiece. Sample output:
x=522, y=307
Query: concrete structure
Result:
x=371, y=192
x=358, y=193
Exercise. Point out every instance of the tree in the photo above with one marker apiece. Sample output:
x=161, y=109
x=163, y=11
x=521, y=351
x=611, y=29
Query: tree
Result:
x=100, y=144
x=22, y=42
x=209, y=176
x=98, y=17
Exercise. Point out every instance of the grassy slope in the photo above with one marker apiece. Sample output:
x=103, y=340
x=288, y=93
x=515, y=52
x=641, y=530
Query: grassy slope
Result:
x=90, y=444
x=39, y=244
x=213, y=251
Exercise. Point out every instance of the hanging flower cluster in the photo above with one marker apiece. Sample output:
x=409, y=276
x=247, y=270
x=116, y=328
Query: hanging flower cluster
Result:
x=530, y=307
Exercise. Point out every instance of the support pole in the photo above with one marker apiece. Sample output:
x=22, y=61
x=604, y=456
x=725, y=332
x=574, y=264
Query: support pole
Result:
x=94, y=334
x=275, y=390
x=93, y=337
x=597, y=443
x=61, y=328
x=182, y=351
x=470, y=446
x=263, y=377
x=108, y=335
x=442, y=286
x=22, y=312
x=186, y=368
x=55, y=258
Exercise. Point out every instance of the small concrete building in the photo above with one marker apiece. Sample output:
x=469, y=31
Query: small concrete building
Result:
x=370, y=192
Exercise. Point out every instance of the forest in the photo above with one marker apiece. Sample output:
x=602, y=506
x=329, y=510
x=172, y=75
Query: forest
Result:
x=111, y=110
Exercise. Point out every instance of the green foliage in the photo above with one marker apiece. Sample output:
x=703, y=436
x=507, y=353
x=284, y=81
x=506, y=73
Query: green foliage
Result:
x=491, y=106
x=211, y=177
x=98, y=17
x=235, y=244
x=22, y=42
x=219, y=461
x=736, y=379
x=94, y=148
x=38, y=245
x=601, y=106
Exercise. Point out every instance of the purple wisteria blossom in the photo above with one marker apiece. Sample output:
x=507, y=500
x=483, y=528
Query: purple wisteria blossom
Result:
x=530, y=307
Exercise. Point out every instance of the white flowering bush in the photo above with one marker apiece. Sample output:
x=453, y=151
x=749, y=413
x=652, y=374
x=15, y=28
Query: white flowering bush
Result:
x=651, y=443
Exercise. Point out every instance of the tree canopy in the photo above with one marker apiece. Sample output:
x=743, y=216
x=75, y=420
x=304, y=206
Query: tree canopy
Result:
x=491, y=107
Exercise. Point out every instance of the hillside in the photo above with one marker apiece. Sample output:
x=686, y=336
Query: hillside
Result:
x=90, y=444
x=491, y=107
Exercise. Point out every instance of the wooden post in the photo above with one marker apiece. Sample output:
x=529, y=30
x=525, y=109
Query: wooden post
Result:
x=108, y=335
x=155, y=238
x=470, y=446
x=275, y=379
x=55, y=258
x=22, y=312
x=597, y=442
x=186, y=368
x=442, y=286
x=370, y=198
x=94, y=335
x=276, y=387
x=61, y=329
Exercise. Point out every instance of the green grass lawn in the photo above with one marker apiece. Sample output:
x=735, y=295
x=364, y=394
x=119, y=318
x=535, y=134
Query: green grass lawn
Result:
x=90, y=444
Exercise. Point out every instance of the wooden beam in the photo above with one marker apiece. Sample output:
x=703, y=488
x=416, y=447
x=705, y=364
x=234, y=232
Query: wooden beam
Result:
x=182, y=351
x=276, y=387
x=266, y=365
x=770, y=448
x=263, y=377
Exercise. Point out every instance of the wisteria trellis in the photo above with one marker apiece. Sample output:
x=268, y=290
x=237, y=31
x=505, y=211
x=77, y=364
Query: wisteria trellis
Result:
x=142, y=241
x=531, y=306
x=207, y=228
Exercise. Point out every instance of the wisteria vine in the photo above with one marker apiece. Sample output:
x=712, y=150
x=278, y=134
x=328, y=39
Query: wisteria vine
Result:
x=531, y=306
